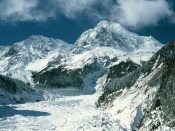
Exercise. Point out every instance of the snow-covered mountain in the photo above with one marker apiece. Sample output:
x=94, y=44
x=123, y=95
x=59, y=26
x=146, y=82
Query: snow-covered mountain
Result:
x=110, y=34
x=144, y=99
x=108, y=59
x=107, y=45
x=107, y=50
x=32, y=54
x=112, y=40
x=95, y=52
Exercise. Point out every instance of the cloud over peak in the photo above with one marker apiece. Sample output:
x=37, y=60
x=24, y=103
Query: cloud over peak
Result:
x=132, y=13
x=136, y=13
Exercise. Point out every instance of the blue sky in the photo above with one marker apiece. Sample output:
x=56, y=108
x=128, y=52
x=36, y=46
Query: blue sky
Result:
x=67, y=19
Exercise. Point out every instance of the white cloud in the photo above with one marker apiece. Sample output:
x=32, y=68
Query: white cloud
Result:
x=139, y=13
x=21, y=10
x=72, y=8
x=132, y=13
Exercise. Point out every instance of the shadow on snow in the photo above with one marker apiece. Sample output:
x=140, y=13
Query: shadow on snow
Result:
x=8, y=111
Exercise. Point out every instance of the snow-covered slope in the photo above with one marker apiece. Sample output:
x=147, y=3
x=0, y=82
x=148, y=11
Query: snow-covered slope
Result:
x=144, y=99
x=16, y=91
x=32, y=54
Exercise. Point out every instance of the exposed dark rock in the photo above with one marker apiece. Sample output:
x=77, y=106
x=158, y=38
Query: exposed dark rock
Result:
x=122, y=69
x=163, y=106
x=11, y=52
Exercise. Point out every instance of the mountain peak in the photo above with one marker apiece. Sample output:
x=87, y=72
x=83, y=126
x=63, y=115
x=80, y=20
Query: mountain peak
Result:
x=110, y=25
x=37, y=39
x=114, y=35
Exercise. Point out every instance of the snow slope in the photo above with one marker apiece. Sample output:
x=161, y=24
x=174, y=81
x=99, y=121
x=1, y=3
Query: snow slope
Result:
x=144, y=99
x=16, y=91
x=32, y=54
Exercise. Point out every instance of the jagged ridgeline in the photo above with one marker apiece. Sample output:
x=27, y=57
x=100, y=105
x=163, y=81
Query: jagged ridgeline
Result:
x=12, y=51
x=163, y=104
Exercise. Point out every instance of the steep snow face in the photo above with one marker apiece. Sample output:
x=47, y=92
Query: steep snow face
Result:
x=3, y=50
x=32, y=54
x=101, y=54
x=112, y=34
x=144, y=99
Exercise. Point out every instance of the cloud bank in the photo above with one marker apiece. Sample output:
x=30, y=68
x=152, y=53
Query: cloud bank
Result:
x=142, y=12
x=132, y=13
x=73, y=8
x=22, y=10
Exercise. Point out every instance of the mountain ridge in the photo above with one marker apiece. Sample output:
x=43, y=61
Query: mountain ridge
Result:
x=26, y=56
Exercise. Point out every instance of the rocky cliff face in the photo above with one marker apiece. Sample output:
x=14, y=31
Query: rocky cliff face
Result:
x=162, y=111
x=145, y=96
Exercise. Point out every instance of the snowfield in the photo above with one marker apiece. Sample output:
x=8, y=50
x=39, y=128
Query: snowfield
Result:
x=62, y=111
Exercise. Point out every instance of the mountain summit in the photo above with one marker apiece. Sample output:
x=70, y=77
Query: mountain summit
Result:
x=114, y=35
